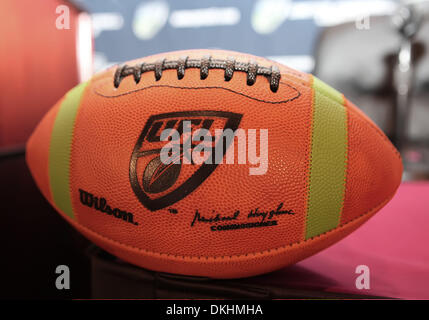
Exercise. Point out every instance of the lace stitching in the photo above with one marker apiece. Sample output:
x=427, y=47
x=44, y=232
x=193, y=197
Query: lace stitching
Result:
x=230, y=65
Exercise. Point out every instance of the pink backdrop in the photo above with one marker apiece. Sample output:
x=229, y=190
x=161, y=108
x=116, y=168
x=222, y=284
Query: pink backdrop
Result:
x=394, y=244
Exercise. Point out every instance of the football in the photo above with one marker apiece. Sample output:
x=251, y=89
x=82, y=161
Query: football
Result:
x=211, y=163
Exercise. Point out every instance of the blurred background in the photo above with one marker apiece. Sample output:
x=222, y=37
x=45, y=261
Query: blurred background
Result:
x=373, y=51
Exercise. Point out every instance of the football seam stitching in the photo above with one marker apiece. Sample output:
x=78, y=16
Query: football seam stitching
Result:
x=347, y=163
x=259, y=100
x=199, y=88
x=310, y=147
x=235, y=256
x=252, y=253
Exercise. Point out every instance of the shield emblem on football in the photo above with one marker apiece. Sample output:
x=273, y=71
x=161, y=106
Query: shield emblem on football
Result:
x=158, y=184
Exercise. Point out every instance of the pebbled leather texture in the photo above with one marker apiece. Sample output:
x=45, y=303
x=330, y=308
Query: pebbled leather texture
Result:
x=108, y=125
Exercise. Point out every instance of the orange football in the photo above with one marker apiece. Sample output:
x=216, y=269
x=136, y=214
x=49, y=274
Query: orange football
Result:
x=211, y=163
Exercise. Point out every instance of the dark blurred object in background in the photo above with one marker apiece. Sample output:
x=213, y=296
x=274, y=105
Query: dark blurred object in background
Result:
x=39, y=62
x=384, y=69
x=359, y=63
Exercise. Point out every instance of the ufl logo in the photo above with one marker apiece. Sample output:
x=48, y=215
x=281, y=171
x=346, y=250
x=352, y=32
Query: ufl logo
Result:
x=177, y=151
